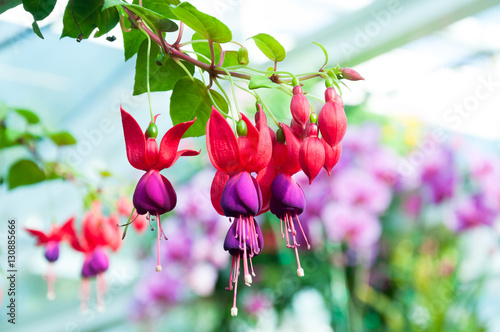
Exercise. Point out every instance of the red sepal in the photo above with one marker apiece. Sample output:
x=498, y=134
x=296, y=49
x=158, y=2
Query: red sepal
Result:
x=218, y=184
x=222, y=147
x=135, y=141
x=291, y=165
x=170, y=143
x=265, y=179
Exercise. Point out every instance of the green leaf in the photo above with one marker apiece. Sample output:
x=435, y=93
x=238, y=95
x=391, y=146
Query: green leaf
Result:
x=62, y=138
x=40, y=9
x=161, y=78
x=190, y=100
x=230, y=57
x=84, y=16
x=270, y=47
x=36, y=29
x=257, y=82
x=207, y=26
x=161, y=6
x=30, y=117
x=132, y=40
x=6, y=5
x=24, y=172
x=152, y=18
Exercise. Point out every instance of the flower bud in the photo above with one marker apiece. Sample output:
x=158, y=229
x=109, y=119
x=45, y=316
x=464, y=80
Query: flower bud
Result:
x=243, y=56
x=332, y=120
x=332, y=156
x=311, y=157
x=299, y=106
x=351, y=74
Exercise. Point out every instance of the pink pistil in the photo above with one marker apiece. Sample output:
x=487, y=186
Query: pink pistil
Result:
x=158, y=233
x=51, y=279
x=290, y=228
x=101, y=288
x=85, y=294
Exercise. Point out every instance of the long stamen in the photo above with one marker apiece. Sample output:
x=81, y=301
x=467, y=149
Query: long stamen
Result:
x=85, y=295
x=303, y=234
x=51, y=278
x=231, y=275
x=148, y=217
x=286, y=233
x=234, y=309
x=281, y=224
x=254, y=235
x=300, y=270
x=248, y=277
x=251, y=266
x=101, y=290
x=158, y=236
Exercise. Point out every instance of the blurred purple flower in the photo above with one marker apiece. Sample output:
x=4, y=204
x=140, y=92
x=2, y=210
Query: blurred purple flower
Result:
x=255, y=303
x=361, y=189
x=359, y=228
x=471, y=212
x=438, y=175
x=412, y=205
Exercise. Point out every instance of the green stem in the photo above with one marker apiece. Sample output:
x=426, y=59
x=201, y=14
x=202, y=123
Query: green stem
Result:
x=147, y=73
x=253, y=93
x=212, y=98
x=232, y=89
x=179, y=62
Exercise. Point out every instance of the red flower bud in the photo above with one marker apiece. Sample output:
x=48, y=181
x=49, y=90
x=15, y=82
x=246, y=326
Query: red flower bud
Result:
x=299, y=106
x=332, y=155
x=298, y=129
x=312, y=155
x=332, y=120
x=351, y=74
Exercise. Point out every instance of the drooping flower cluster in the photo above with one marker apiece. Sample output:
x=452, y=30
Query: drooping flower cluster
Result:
x=98, y=234
x=154, y=195
x=274, y=158
x=51, y=241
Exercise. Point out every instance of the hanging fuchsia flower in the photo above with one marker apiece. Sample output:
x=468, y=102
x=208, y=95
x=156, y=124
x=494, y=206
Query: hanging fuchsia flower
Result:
x=154, y=194
x=51, y=242
x=235, y=193
x=98, y=233
x=287, y=197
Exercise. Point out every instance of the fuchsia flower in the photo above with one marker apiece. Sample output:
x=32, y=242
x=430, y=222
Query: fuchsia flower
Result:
x=51, y=242
x=98, y=233
x=235, y=192
x=287, y=197
x=154, y=194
